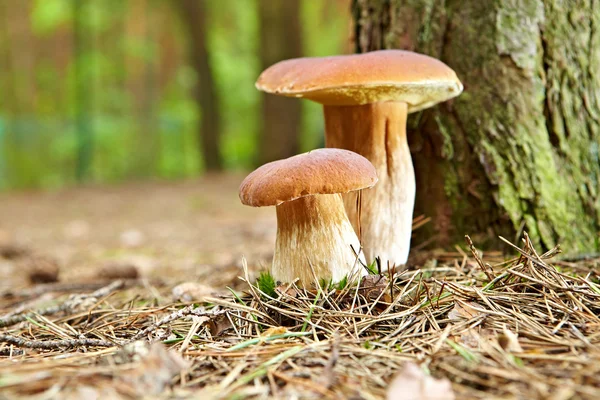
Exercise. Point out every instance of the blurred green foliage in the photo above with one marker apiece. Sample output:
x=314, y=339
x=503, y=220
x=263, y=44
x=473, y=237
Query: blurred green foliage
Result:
x=139, y=82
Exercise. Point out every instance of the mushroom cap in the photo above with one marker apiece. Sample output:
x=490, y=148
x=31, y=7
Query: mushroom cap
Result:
x=385, y=75
x=321, y=171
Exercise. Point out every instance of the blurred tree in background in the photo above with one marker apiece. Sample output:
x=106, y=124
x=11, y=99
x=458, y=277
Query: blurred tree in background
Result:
x=280, y=39
x=108, y=90
x=193, y=13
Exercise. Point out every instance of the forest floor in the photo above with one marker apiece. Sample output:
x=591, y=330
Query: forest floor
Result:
x=156, y=297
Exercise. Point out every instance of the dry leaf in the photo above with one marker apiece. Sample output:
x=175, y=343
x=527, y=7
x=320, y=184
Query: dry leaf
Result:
x=155, y=370
x=413, y=384
x=371, y=287
x=273, y=331
x=371, y=281
x=288, y=290
x=464, y=311
x=509, y=341
x=468, y=339
x=219, y=324
x=472, y=337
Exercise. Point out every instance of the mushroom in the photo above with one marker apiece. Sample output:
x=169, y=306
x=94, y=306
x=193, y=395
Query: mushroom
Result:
x=366, y=99
x=313, y=230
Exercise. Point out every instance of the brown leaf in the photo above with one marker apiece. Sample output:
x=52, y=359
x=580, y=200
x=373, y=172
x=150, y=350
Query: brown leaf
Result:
x=155, y=370
x=371, y=287
x=371, y=281
x=464, y=311
x=289, y=291
x=472, y=337
x=219, y=324
x=509, y=341
x=413, y=384
x=468, y=339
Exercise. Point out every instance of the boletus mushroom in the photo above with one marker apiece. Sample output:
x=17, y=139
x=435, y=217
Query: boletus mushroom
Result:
x=366, y=99
x=313, y=230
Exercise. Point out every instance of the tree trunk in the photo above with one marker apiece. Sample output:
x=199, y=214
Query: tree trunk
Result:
x=519, y=149
x=193, y=13
x=280, y=38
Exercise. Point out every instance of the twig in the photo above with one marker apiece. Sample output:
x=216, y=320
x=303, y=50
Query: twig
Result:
x=15, y=319
x=10, y=352
x=71, y=305
x=489, y=274
x=54, y=344
x=179, y=314
x=39, y=290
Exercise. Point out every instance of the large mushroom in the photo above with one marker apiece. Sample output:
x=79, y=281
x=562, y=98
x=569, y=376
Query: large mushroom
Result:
x=366, y=99
x=313, y=230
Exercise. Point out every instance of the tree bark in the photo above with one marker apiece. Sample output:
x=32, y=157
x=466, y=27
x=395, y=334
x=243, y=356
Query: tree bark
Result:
x=280, y=39
x=193, y=13
x=519, y=149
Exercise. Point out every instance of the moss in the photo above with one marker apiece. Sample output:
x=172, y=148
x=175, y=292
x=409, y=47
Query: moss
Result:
x=508, y=196
x=516, y=23
x=447, y=147
x=531, y=228
x=451, y=187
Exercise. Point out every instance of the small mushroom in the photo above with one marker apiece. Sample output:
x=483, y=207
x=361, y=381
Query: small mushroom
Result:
x=366, y=99
x=313, y=229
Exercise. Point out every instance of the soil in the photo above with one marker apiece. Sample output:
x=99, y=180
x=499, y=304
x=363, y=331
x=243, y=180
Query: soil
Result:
x=173, y=231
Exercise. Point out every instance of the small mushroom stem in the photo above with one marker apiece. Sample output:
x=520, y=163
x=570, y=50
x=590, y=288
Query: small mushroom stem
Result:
x=378, y=132
x=315, y=230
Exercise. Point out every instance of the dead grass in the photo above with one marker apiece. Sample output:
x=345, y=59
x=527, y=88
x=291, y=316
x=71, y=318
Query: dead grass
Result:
x=522, y=328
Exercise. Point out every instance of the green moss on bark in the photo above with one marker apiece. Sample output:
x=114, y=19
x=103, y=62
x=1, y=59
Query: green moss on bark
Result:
x=519, y=149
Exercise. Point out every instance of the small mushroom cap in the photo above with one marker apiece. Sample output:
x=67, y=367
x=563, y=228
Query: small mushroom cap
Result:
x=321, y=171
x=385, y=75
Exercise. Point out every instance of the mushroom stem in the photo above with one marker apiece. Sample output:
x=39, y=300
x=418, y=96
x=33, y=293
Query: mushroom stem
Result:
x=378, y=132
x=314, y=230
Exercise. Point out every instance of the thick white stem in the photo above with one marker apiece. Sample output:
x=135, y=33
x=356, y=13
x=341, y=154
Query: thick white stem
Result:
x=378, y=132
x=315, y=231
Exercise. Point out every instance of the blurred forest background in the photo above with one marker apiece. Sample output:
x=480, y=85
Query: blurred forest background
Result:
x=111, y=90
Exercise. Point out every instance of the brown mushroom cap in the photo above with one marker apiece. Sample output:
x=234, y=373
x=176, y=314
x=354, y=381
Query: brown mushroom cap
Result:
x=385, y=75
x=321, y=171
